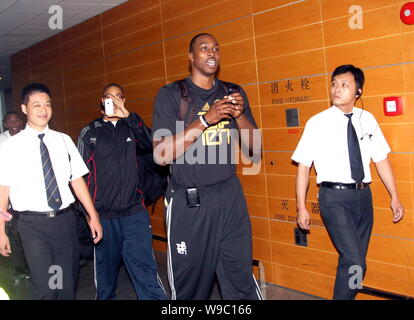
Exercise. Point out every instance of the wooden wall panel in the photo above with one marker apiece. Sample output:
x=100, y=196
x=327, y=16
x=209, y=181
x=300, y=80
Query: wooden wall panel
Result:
x=224, y=34
x=126, y=10
x=254, y=185
x=391, y=277
x=260, y=228
x=81, y=58
x=138, y=73
x=317, y=284
x=281, y=139
x=80, y=43
x=275, y=116
x=172, y=9
x=143, y=20
x=287, y=17
x=399, y=137
x=383, y=224
x=257, y=205
x=282, y=52
x=80, y=30
x=134, y=41
x=332, y=9
x=305, y=258
x=44, y=57
x=376, y=23
x=241, y=73
x=44, y=46
x=291, y=66
x=278, y=44
x=85, y=85
x=399, y=253
x=262, y=250
x=363, y=55
x=127, y=59
x=217, y=13
x=381, y=198
x=85, y=71
x=90, y=99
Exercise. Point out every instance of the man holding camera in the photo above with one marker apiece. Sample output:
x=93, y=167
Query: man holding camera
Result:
x=109, y=145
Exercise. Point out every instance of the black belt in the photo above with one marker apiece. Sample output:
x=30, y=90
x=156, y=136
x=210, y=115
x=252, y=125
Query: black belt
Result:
x=47, y=214
x=344, y=186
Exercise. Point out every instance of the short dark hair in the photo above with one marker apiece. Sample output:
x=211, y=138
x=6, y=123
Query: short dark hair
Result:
x=33, y=88
x=10, y=113
x=193, y=40
x=113, y=84
x=356, y=72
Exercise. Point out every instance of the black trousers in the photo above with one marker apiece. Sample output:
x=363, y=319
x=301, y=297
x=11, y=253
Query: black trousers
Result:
x=51, y=248
x=348, y=217
x=211, y=240
x=17, y=259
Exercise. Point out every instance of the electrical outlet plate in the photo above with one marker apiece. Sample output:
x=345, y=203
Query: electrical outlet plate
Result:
x=301, y=237
x=292, y=117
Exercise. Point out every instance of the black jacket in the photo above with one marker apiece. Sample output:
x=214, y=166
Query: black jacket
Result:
x=110, y=152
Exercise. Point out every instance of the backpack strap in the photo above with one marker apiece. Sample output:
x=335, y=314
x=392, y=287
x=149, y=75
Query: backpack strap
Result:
x=184, y=115
x=227, y=85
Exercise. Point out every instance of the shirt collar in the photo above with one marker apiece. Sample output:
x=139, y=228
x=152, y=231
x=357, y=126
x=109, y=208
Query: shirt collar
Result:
x=34, y=132
x=110, y=121
x=354, y=110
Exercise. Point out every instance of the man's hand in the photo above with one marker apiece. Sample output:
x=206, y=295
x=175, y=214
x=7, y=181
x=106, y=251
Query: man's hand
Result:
x=119, y=108
x=236, y=101
x=96, y=229
x=397, y=210
x=5, y=248
x=5, y=215
x=303, y=219
x=220, y=110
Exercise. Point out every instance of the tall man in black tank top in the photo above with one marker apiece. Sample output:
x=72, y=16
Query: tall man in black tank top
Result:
x=208, y=226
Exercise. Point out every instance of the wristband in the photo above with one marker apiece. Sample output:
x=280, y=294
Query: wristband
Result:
x=204, y=121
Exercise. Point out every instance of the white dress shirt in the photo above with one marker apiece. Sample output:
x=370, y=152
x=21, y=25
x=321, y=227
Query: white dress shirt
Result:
x=4, y=136
x=21, y=168
x=324, y=142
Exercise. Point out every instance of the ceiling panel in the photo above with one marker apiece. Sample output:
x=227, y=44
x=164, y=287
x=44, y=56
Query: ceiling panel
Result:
x=23, y=23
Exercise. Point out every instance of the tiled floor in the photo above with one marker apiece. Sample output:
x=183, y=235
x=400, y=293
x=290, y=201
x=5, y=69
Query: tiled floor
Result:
x=125, y=291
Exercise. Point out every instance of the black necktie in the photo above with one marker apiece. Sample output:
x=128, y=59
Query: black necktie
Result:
x=52, y=191
x=355, y=160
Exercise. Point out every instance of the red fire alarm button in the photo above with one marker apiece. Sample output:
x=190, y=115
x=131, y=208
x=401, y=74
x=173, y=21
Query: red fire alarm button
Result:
x=393, y=106
x=407, y=13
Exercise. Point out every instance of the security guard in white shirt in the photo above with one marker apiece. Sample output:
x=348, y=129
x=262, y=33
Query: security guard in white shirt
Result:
x=36, y=167
x=340, y=142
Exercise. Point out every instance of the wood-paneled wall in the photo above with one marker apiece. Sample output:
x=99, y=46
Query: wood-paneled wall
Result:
x=282, y=52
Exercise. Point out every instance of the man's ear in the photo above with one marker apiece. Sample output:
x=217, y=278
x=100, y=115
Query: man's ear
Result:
x=191, y=56
x=24, y=108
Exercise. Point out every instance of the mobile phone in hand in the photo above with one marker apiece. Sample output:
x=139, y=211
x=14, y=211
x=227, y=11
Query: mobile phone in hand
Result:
x=232, y=90
x=109, y=106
